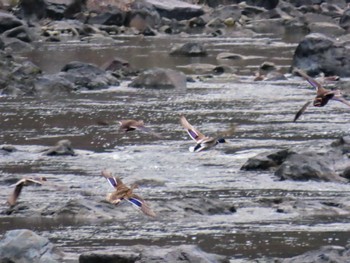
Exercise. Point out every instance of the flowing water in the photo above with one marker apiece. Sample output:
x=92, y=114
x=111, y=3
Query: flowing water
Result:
x=262, y=111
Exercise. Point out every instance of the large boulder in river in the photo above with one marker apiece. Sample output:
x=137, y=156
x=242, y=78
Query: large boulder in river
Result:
x=308, y=166
x=25, y=246
x=317, y=53
x=88, y=76
x=154, y=254
x=334, y=254
x=8, y=21
x=160, y=78
x=190, y=49
x=344, y=21
x=175, y=9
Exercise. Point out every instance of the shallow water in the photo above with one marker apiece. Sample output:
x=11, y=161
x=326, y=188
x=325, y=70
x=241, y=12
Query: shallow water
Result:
x=262, y=111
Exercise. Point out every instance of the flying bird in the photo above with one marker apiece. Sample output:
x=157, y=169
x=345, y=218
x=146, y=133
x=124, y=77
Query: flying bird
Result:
x=202, y=142
x=123, y=192
x=131, y=125
x=19, y=186
x=322, y=95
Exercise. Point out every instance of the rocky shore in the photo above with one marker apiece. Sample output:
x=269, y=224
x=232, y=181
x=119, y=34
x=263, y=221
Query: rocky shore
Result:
x=322, y=31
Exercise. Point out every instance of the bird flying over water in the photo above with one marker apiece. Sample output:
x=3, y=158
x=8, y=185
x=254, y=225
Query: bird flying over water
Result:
x=123, y=192
x=131, y=125
x=202, y=142
x=19, y=186
x=322, y=95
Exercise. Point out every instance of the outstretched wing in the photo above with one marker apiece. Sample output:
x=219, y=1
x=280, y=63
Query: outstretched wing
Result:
x=192, y=132
x=309, y=79
x=302, y=110
x=113, y=181
x=138, y=202
x=340, y=98
x=12, y=199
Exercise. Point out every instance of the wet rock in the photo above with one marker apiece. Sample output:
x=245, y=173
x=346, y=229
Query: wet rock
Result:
x=15, y=45
x=328, y=29
x=143, y=11
x=346, y=173
x=55, y=11
x=159, y=78
x=32, y=10
x=228, y=55
x=334, y=254
x=154, y=254
x=316, y=53
x=114, y=16
x=269, y=72
x=8, y=21
x=51, y=85
x=20, y=32
x=266, y=161
x=308, y=166
x=175, y=9
x=344, y=21
x=74, y=7
x=189, y=50
x=62, y=147
x=25, y=246
x=88, y=76
x=221, y=15
x=343, y=144
x=7, y=149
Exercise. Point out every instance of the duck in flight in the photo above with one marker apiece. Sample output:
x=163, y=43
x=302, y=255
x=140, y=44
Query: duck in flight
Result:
x=202, y=142
x=123, y=192
x=322, y=95
x=19, y=186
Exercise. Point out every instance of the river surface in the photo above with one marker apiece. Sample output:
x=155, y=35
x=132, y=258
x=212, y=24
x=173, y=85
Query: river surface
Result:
x=262, y=111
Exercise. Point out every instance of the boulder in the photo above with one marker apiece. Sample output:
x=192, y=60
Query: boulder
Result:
x=32, y=10
x=114, y=16
x=176, y=9
x=144, y=11
x=190, y=49
x=51, y=85
x=154, y=254
x=88, y=76
x=62, y=147
x=308, y=166
x=159, y=78
x=328, y=29
x=344, y=21
x=24, y=246
x=20, y=32
x=317, y=53
x=8, y=21
x=334, y=254
x=266, y=161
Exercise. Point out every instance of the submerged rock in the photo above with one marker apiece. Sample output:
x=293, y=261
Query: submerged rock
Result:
x=189, y=50
x=304, y=167
x=62, y=147
x=154, y=254
x=25, y=246
x=334, y=254
x=159, y=78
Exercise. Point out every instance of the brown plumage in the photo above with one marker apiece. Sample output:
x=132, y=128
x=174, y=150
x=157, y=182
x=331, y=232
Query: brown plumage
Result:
x=322, y=95
x=19, y=186
x=131, y=125
x=123, y=192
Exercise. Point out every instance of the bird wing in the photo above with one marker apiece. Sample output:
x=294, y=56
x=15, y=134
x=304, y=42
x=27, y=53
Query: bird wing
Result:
x=302, y=110
x=309, y=79
x=138, y=202
x=340, y=98
x=113, y=181
x=192, y=132
x=15, y=194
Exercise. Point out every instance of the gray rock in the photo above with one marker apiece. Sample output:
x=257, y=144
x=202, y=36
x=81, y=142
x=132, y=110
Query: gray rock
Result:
x=154, y=254
x=20, y=32
x=51, y=85
x=62, y=147
x=175, y=9
x=190, y=49
x=8, y=21
x=266, y=161
x=159, y=78
x=304, y=167
x=328, y=29
x=88, y=76
x=25, y=246
x=334, y=254
x=344, y=21
x=114, y=16
x=317, y=53
x=31, y=10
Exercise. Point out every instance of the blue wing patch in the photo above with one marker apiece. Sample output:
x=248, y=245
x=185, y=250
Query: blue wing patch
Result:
x=135, y=201
x=314, y=84
x=193, y=134
x=112, y=181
